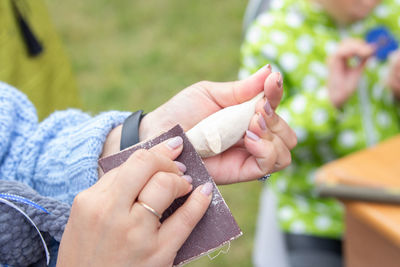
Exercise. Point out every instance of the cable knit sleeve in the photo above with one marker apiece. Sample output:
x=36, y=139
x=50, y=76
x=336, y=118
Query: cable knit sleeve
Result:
x=57, y=157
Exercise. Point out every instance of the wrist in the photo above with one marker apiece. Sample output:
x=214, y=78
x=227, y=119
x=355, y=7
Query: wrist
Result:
x=154, y=123
x=145, y=128
x=112, y=143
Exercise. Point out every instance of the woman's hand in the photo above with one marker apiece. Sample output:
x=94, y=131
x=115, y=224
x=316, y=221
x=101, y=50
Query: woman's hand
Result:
x=108, y=226
x=343, y=76
x=265, y=149
x=393, y=80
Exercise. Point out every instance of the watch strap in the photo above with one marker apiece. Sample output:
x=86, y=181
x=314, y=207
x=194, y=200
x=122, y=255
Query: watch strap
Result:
x=130, y=130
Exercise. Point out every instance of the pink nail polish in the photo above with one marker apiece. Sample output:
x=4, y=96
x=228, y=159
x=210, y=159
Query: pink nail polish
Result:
x=181, y=166
x=252, y=135
x=175, y=142
x=207, y=189
x=261, y=122
x=188, y=178
x=267, y=108
x=279, y=82
x=268, y=66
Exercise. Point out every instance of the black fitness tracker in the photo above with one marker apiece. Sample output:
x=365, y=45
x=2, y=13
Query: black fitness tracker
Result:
x=130, y=129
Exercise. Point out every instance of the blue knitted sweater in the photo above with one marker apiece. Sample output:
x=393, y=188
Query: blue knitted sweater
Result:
x=57, y=157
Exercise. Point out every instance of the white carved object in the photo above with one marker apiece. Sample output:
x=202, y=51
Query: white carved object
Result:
x=221, y=130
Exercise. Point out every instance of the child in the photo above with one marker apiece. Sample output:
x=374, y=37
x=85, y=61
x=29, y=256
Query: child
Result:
x=334, y=107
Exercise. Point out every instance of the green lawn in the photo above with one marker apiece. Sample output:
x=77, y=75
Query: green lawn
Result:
x=132, y=54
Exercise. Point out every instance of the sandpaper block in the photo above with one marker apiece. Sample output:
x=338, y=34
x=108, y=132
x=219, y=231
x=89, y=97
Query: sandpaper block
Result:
x=217, y=227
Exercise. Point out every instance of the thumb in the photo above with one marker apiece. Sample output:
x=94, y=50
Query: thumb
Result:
x=232, y=93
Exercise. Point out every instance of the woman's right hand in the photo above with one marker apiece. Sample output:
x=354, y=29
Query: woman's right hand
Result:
x=107, y=225
x=343, y=77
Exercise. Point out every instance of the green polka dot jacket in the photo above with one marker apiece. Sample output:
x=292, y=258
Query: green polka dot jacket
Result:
x=296, y=37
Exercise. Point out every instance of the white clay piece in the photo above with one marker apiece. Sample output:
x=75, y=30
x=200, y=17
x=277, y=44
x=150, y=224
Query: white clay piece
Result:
x=223, y=129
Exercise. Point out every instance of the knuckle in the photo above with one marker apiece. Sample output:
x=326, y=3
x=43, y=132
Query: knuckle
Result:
x=137, y=222
x=90, y=208
x=79, y=198
x=275, y=123
x=97, y=216
x=273, y=157
x=81, y=201
x=188, y=220
x=165, y=181
x=202, y=84
x=142, y=155
x=287, y=160
x=293, y=140
x=190, y=217
x=148, y=244
x=134, y=237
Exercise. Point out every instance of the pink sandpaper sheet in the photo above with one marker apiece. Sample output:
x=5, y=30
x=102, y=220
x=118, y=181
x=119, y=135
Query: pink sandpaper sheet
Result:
x=217, y=227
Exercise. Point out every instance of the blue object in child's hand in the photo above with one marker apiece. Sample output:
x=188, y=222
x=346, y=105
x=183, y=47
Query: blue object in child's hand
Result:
x=383, y=40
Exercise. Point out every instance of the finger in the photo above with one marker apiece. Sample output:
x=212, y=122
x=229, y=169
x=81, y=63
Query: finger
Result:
x=276, y=125
x=273, y=89
x=162, y=189
x=258, y=126
x=142, y=165
x=283, y=159
x=364, y=51
x=233, y=93
x=360, y=67
x=258, y=147
x=177, y=228
x=355, y=48
x=262, y=158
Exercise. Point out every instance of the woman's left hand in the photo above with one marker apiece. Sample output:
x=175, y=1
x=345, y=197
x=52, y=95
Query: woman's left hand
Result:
x=265, y=149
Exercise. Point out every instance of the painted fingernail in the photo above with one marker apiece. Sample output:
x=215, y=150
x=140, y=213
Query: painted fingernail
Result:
x=207, y=189
x=181, y=166
x=188, y=178
x=263, y=68
x=267, y=107
x=261, y=122
x=175, y=142
x=252, y=135
x=279, y=82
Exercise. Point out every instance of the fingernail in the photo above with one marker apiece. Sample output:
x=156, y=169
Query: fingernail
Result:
x=261, y=122
x=181, y=166
x=279, y=82
x=252, y=135
x=267, y=107
x=207, y=189
x=188, y=178
x=175, y=142
x=262, y=69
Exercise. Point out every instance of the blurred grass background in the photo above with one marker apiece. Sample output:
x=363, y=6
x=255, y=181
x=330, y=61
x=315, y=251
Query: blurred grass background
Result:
x=136, y=54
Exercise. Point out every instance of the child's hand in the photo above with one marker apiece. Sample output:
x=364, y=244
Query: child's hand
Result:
x=343, y=78
x=109, y=227
x=393, y=79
